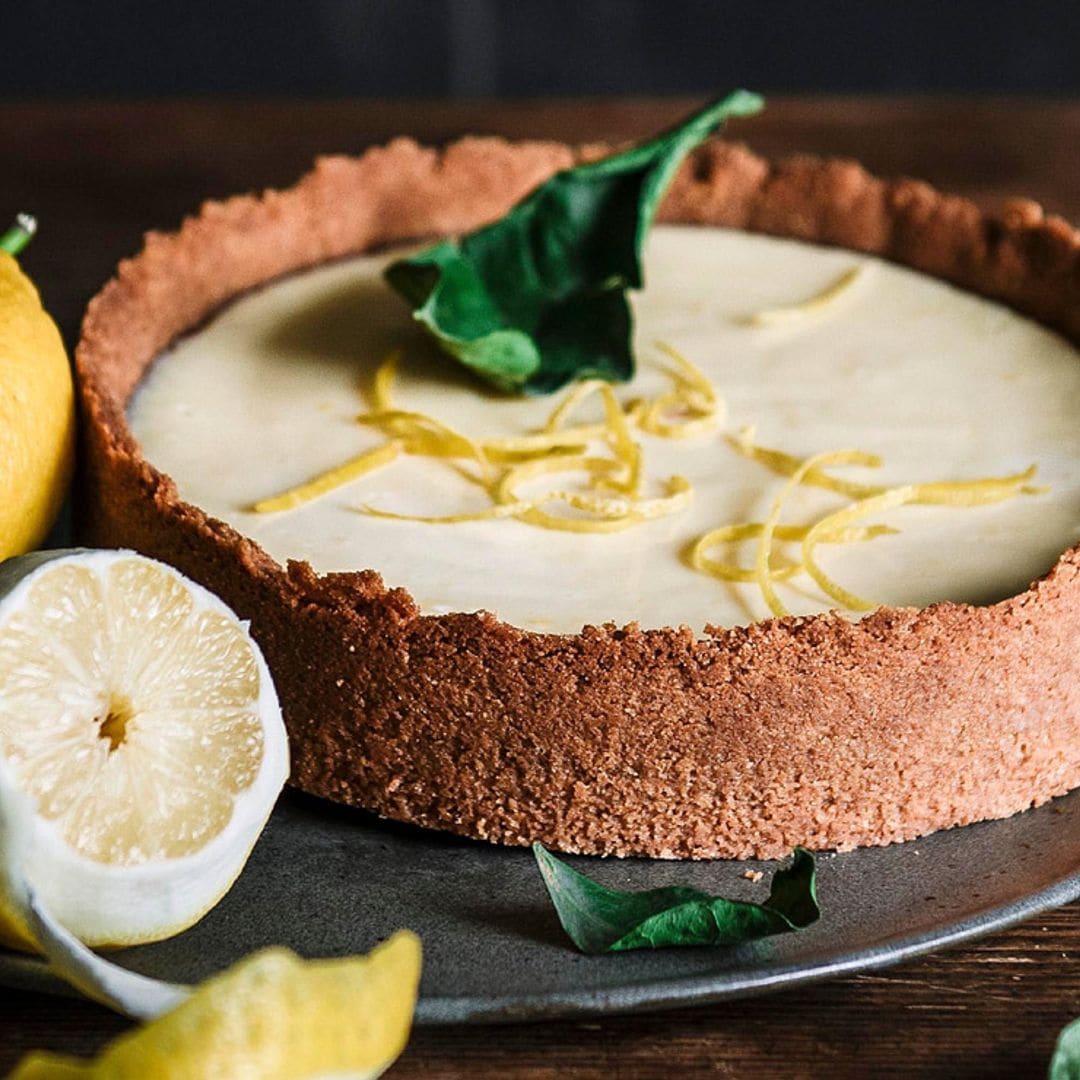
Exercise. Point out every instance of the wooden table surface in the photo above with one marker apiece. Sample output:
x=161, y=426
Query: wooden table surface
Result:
x=99, y=175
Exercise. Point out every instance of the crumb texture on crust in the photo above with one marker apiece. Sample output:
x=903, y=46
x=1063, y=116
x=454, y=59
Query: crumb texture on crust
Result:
x=812, y=731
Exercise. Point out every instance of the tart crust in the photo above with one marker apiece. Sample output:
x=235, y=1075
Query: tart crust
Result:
x=814, y=731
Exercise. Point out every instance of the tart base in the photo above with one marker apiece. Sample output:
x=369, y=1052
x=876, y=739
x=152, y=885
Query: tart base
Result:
x=813, y=731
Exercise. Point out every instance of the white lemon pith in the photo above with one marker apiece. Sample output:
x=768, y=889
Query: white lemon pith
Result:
x=139, y=720
x=37, y=414
x=271, y=1017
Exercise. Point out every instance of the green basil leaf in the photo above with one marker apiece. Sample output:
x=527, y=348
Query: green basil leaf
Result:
x=600, y=920
x=1065, y=1064
x=538, y=298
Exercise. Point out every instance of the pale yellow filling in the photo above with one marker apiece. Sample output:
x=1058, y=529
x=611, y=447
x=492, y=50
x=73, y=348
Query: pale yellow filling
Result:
x=941, y=385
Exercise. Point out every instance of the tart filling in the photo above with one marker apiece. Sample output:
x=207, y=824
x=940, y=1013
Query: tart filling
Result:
x=941, y=384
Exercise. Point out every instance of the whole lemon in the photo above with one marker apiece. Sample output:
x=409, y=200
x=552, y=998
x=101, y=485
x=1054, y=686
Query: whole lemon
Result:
x=37, y=414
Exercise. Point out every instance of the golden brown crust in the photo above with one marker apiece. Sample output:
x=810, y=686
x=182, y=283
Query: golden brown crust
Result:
x=812, y=731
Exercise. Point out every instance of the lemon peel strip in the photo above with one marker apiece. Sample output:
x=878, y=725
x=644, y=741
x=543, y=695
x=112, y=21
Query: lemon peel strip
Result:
x=383, y=384
x=422, y=434
x=502, y=510
x=503, y=489
x=612, y=514
x=558, y=447
x=959, y=493
x=887, y=500
x=680, y=492
x=734, y=534
x=693, y=395
x=622, y=443
x=330, y=480
x=990, y=489
x=615, y=515
x=785, y=464
x=812, y=305
x=580, y=392
x=940, y=493
x=764, y=548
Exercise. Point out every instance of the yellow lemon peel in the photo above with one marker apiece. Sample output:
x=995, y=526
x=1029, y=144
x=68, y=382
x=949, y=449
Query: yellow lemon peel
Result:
x=425, y=436
x=735, y=534
x=693, y=401
x=812, y=305
x=330, y=480
x=786, y=464
x=765, y=540
x=838, y=526
x=578, y=393
x=272, y=1015
x=612, y=498
x=382, y=390
x=961, y=493
x=490, y=513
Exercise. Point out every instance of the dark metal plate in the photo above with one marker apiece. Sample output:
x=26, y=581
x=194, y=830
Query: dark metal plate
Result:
x=328, y=881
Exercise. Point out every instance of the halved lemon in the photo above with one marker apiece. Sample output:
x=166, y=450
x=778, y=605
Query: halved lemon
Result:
x=140, y=726
x=273, y=1017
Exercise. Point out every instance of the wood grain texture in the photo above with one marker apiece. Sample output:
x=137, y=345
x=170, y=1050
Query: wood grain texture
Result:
x=99, y=175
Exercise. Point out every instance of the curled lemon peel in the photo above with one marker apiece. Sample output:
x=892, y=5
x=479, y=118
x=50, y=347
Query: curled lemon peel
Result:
x=625, y=448
x=330, y=480
x=692, y=399
x=786, y=464
x=765, y=540
x=612, y=515
x=503, y=491
x=958, y=493
x=838, y=526
x=942, y=493
x=735, y=534
x=382, y=390
x=425, y=436
x=612, y=498
x=812, y=305
x=982, y=492
x=499, y=510
x=580, y=392
x=680, y=492
x=885, y=500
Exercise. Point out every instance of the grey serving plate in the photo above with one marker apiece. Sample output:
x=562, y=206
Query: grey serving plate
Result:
x=327, y=881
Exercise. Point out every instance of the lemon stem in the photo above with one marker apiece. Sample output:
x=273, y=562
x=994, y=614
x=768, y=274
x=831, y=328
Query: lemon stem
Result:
x=19, y=235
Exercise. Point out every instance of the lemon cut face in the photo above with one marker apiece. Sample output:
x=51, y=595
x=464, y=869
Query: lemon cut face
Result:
x=138, y=717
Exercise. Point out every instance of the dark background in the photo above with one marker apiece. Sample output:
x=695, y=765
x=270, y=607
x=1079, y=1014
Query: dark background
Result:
x=521, y=48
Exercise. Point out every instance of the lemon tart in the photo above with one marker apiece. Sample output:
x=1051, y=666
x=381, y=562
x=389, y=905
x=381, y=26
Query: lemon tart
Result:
x=594, y=691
